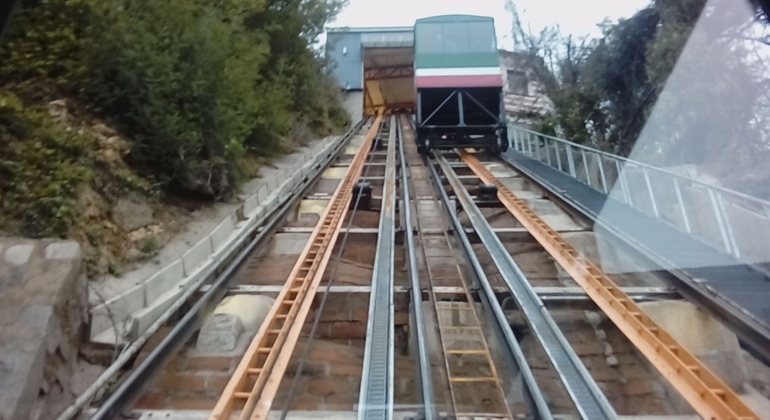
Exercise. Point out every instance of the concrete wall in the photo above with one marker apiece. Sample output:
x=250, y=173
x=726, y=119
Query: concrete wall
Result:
x=124, y=317
x=354, y=104
x=524, y=109
x=43, y=305
x=344, y=49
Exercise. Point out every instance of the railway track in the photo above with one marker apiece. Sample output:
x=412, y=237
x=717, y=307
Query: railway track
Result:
x=411, y=291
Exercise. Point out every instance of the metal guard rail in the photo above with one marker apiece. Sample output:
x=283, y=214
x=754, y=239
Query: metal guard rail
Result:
x=561, y=154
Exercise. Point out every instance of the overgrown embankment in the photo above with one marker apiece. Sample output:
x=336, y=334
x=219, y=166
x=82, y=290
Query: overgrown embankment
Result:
x=110, y=107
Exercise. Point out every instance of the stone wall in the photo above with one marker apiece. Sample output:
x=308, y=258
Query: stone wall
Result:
x=524, y=108
x=43, y=304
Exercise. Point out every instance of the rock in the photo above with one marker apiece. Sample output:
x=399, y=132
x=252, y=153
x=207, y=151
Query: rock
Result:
x=103, y=130
x=612, y=361
x=219, y=333
x=601, y=334
x=594, y=318
x=607, y=349
x=715, y=345
x=58, y=110
x=132, y=212
x=250, y=309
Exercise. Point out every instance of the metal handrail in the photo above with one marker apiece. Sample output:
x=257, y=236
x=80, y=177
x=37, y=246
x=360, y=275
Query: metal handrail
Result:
x=644, y=165
x=522, y=140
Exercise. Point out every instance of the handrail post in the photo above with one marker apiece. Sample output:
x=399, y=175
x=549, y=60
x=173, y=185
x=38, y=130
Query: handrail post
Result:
x=529, y=144
x=652, y=194
x=585, y=167
x=623, y=184
x=601, y=172
x=558, y=155
x=681, y=206
x=720, y=221
x=547, y=152
x=571, y=161
x=728, y=225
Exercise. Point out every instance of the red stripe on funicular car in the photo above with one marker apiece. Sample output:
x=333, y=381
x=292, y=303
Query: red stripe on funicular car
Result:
x=492, y=80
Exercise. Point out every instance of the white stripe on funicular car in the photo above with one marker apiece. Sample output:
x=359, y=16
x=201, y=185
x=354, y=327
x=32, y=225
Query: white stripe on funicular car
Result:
x=462, y=71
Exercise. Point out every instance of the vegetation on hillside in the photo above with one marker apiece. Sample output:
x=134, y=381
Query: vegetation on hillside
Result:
x=194, y=90
x=685, y=76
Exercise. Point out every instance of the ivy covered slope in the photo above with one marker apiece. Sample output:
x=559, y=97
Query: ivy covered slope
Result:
x=103, y=101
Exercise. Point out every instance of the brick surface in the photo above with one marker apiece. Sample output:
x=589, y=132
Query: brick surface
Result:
x=325, y=387
x=215, y=384
x=637, y=387
x=191, y=403
x=633, y=372
x=151, y=401
x=347, y=330
x=210, y=363
x=307, y=402
x=588, y=348
x=182, y=382
x=352, y=370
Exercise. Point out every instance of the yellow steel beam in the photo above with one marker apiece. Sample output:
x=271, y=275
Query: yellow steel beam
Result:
x=255, y=382
x=375, y=97
x=707, y=394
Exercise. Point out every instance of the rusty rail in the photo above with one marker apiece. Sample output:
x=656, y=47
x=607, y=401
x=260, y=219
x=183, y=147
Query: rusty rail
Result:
x=707, y=394
x=255, y=382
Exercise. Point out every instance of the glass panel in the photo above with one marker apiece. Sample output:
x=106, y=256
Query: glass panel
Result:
x=455, y=37
x=430, y=38
x=481, y=37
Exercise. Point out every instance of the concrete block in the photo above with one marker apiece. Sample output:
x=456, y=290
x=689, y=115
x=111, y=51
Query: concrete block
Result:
x=256, y=213
x=222, y=232
x=250, y=204
x=262, y=194
x=196, y=255
x=142, y=319
x=67, y=250
x=250, y=309
x=116, y=311
x=18, y=254
x=703, y=336
x=219, y=333
x=163, y=281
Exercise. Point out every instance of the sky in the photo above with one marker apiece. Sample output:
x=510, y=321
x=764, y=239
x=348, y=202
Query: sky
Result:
x=577, y=18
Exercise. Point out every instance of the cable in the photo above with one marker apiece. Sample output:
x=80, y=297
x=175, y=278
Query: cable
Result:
x=317, y=317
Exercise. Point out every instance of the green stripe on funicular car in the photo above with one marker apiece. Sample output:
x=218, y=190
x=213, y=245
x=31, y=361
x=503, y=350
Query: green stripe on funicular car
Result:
x=443, y=60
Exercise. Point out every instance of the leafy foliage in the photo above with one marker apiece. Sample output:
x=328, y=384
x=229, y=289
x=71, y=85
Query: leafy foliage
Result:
x=605, y=90
x=194, y=84
x=41, y=168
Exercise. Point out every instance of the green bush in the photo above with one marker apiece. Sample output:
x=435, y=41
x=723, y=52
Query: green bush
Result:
x=193, y=84
x=41, y=167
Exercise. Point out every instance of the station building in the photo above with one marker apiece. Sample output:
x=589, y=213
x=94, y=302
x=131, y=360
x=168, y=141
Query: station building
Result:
x=375, y=66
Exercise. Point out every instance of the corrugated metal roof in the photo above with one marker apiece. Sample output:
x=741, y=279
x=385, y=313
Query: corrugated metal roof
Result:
x=366, y=29
x=387, y=40
x=455, y=18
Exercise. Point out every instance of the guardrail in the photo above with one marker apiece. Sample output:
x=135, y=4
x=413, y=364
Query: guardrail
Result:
x=729, y=220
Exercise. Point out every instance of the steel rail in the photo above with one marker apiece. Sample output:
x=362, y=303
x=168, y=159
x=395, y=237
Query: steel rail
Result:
x=376, y=392
x=327, y=290
x=707, y=394
x=751, y=330
x=490, y=301
x=465, y=339
x=426, y=384
x=258, y=375
x=134, y=385
x=589, y=400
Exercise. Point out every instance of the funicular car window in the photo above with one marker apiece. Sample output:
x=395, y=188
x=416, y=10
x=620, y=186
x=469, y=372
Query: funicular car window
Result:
x=455, y=37
x=430, y=38
x=481, y=37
